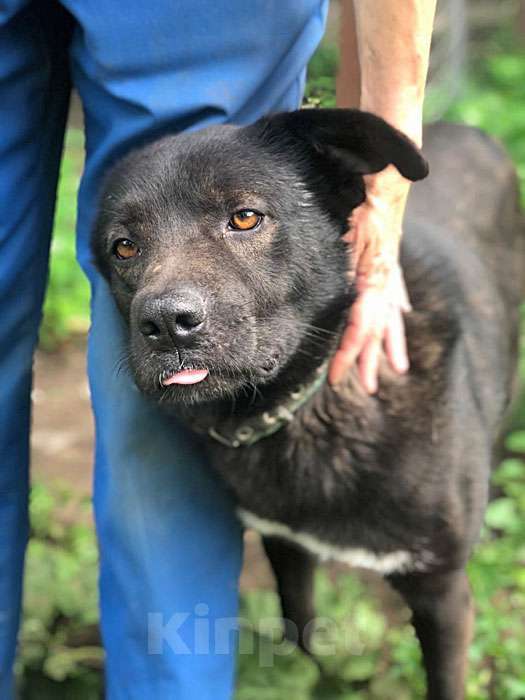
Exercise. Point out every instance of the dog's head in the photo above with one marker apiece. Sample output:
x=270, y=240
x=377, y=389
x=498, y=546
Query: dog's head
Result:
x=223, y=248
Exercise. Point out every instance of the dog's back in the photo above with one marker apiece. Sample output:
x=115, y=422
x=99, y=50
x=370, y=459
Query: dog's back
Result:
x=468, y=212
x=472, y=192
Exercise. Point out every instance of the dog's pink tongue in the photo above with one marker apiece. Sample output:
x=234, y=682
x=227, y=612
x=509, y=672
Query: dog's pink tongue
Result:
x=186, y=376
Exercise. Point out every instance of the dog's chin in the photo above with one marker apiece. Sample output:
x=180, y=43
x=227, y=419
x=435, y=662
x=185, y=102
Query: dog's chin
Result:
x=202, y=384
x=212, y=388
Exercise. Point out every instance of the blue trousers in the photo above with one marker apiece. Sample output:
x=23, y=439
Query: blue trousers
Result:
x=170, y=546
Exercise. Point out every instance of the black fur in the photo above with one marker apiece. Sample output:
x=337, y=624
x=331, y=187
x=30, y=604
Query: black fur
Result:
x=406, y=469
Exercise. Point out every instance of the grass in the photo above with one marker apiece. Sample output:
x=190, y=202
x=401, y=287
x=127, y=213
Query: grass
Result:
x=66, y=308
x=376, y=659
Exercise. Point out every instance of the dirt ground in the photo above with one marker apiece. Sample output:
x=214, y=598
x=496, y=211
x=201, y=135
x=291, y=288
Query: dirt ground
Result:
x=62, y=434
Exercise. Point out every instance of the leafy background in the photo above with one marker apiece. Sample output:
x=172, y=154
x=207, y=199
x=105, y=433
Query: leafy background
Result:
x=60, y=654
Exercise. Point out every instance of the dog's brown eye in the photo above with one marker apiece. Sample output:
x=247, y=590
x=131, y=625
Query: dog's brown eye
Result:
x=125, y=249
x=245, y=220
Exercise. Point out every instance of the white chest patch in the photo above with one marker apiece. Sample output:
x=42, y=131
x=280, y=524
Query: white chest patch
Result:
x=393, y=562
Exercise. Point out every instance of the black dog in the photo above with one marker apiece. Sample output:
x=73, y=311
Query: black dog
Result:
x=223, y=251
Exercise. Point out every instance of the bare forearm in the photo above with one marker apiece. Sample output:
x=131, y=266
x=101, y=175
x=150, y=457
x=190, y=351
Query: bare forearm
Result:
x=390, y=57
x=393, y=40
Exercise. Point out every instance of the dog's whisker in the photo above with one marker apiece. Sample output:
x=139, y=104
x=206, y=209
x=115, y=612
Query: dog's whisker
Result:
x=256, y=393
x=122, y=364
x=314, y=329
x=305, y=353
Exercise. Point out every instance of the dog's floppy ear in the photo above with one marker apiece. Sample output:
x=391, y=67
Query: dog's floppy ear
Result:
x=360, y=142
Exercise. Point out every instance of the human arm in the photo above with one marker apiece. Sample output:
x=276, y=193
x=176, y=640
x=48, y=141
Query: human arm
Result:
x=389, y=42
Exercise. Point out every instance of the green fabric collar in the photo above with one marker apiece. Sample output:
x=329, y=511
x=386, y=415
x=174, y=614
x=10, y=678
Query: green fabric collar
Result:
x=269, y=422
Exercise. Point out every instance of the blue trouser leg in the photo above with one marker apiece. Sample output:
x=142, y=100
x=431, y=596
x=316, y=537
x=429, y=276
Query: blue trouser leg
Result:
x=168, y=537
x=169, y=541
x=34, y=94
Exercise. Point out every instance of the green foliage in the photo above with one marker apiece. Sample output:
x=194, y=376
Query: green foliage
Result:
x=322, y=69
x=498, y=580
x=66, y=308
x=494, y=100
x=60, y=654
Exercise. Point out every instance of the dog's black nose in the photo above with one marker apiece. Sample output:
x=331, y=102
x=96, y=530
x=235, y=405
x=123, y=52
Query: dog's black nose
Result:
x=173, y=319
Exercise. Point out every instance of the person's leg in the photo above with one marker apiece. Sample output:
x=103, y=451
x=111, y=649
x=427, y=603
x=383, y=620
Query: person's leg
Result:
x=34, y=95
x=169, y=540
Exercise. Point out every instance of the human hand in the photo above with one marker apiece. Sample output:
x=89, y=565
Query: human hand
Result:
x=376, y=317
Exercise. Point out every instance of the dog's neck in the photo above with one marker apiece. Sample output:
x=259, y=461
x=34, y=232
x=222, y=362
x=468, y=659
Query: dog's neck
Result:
x=243, y=433
x=246, y=419
x=252, y=416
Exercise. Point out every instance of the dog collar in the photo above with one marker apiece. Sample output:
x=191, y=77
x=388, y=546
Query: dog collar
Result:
x=269, y=422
